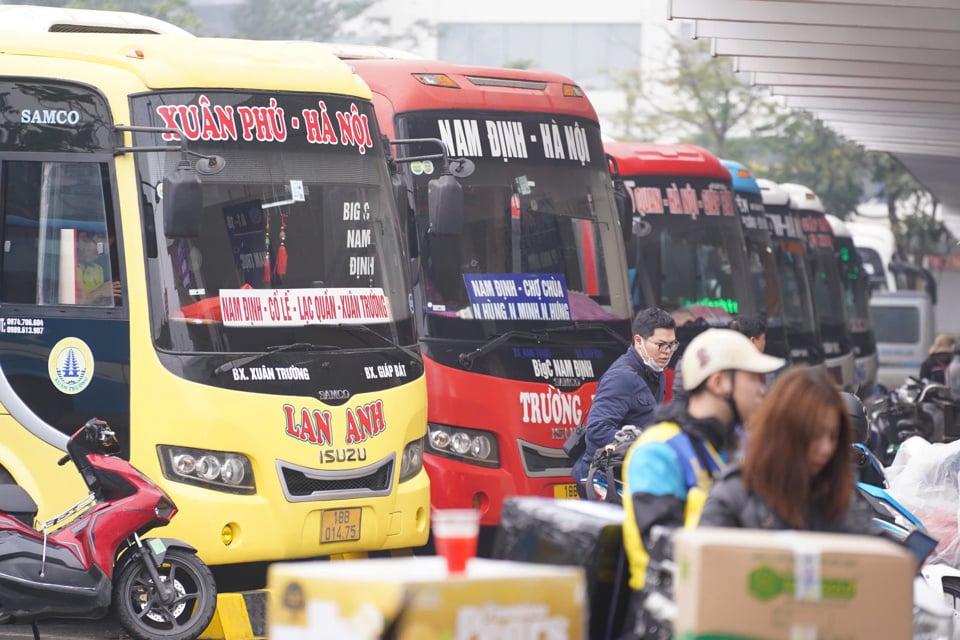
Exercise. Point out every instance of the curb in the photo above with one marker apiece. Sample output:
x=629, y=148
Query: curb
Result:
x=239, y=616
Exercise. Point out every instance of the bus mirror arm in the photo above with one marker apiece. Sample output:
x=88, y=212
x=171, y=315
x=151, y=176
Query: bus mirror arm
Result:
x=182, y=193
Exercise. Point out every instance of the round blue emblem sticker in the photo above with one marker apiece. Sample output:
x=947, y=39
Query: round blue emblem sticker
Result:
x=71, y=365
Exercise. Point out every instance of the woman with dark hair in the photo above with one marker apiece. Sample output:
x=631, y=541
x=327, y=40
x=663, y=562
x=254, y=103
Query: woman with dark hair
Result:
x=797, y=471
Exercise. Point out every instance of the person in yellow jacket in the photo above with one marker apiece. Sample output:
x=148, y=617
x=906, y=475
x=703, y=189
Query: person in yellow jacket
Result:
x=670, y=467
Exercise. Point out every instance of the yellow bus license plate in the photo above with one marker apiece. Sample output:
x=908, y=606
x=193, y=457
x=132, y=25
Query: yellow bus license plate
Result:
x=565, y=491
x=340, y=525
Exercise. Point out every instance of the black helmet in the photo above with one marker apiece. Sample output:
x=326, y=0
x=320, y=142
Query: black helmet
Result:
x=858, y=417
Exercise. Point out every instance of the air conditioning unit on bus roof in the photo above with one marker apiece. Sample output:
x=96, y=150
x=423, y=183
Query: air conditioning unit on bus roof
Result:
x=32, y=19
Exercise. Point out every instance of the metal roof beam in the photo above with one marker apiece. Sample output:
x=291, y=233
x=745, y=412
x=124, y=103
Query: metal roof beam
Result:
x=769, y=49
x=814, y=80
x=891, y=118
x=872, y=105
x=951, y=96
x=927, y=4
x=837, y=34
x=825, y=14
x=841, y=68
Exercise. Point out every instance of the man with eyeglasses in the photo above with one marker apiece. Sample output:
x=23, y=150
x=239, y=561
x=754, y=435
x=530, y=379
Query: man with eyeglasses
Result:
x=629, y=391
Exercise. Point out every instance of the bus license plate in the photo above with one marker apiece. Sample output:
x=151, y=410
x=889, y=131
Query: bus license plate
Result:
x=565, y=491
x=340, y=525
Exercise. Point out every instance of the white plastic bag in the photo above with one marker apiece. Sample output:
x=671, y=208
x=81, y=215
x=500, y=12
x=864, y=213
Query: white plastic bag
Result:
x=925, y=478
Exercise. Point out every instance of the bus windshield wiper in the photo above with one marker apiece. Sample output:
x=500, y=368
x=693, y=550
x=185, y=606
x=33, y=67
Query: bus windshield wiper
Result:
x=365, y=330
x=277, y=348
x=590, y=326
x=467, y=357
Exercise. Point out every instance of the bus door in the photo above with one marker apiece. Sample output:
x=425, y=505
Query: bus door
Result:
x=64, y=329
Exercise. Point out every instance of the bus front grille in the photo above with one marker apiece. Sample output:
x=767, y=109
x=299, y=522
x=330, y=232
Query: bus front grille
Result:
x=303, y=484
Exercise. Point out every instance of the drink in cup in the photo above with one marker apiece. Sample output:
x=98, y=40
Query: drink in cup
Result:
x=455, y=533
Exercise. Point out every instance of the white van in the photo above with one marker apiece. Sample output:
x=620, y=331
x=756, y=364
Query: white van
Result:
x=903, y=322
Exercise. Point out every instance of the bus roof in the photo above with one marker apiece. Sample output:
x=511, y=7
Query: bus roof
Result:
x=647, y=158
x=803, y=198
x=419, y=84
x=33, y=19
x=773, y=194
x=368, y=52
x=839, y=227
x=742, y=177
x=171, y=62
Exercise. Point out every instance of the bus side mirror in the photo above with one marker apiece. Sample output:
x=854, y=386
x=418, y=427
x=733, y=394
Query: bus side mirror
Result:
x=622, y=200
x=445, y=204
x=182, y=202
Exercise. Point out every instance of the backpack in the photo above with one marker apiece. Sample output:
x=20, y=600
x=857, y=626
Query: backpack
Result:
x=607, y=463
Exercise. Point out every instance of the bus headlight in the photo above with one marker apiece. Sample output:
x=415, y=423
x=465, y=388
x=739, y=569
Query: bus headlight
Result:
x=218, y=470
x=473, y=446
x=412, y=460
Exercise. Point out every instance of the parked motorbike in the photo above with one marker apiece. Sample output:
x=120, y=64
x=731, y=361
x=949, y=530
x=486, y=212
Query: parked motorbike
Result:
x=900, y=414
x=92, y=555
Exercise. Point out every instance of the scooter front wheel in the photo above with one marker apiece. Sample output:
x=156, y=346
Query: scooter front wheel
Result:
x=145, y=617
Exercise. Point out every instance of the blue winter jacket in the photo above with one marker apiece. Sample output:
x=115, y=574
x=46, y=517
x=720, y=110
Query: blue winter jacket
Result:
x=627, y=394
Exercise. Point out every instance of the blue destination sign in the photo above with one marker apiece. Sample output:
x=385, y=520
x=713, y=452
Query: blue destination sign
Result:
x=517, y=296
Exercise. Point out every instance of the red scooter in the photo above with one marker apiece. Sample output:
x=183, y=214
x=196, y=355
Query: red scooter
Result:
x=93, y=555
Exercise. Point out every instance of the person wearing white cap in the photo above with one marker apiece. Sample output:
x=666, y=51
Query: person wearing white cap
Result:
x=668, y=471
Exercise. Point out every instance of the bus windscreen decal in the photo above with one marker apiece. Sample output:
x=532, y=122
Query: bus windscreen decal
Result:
x=299, y=307
x=517, y=296
x=712, y=200
x=207, y=121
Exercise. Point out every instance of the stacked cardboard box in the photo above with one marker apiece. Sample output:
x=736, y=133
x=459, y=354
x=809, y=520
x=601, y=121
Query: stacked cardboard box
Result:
x=736, y=583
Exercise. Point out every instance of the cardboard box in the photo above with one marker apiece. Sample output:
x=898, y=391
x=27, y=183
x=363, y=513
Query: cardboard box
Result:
x=771, y=585
x=359, y=599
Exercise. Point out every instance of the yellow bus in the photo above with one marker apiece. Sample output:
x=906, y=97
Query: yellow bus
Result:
x=200, y=245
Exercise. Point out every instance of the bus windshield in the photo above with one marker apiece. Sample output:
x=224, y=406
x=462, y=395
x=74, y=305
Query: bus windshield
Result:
x=693, y=261
x=535, y=244
x=299, y=239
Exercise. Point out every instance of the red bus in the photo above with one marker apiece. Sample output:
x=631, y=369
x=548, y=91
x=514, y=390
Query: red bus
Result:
x=521, y=303
x=685, y=245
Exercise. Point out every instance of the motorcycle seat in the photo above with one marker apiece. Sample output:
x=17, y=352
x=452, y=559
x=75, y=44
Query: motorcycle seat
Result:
x=17, y=503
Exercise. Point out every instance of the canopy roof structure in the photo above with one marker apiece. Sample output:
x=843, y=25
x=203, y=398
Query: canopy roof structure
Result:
x=883, y=73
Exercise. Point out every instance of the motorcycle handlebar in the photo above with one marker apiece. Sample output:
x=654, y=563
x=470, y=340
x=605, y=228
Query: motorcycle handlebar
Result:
x=64, y=460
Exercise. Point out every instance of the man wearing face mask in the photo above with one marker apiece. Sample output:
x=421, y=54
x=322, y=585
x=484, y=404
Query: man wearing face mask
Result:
x=632, y=387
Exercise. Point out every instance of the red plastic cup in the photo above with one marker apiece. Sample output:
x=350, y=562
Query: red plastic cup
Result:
x=455, y=534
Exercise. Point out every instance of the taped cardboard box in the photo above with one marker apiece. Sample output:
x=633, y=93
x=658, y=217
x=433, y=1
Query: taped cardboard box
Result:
x=359, y=599
x=771, y=585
